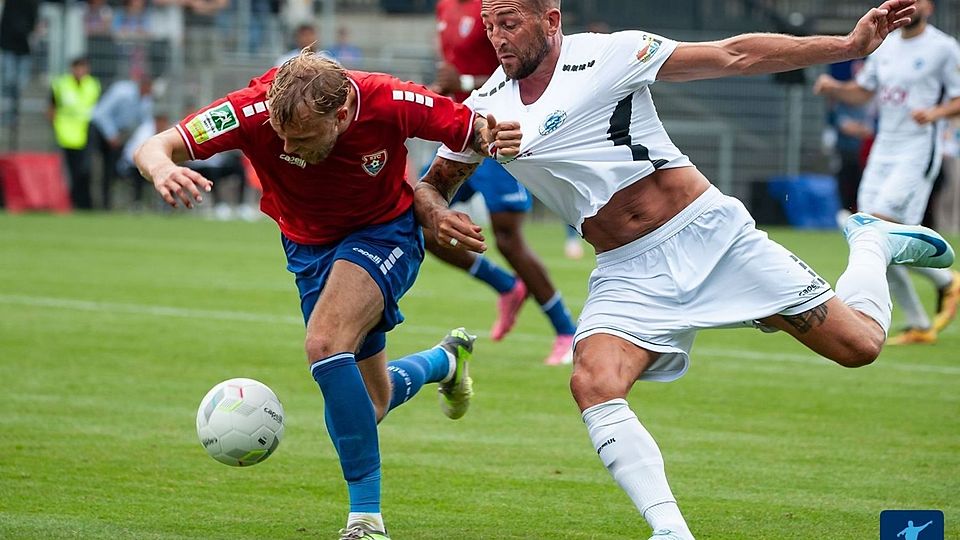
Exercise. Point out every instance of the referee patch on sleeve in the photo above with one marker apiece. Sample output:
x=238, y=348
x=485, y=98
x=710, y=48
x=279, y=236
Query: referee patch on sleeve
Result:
x=213, y=123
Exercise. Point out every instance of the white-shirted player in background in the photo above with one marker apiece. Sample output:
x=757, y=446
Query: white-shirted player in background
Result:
x=915, y=78
x=674, y=254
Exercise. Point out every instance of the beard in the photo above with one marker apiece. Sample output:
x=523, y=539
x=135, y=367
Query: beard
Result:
x=530, y=63
x=320, y=152
x=915, y=21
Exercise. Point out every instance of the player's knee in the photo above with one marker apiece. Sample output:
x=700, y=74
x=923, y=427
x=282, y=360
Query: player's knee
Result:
x=596, y=382
x=319, y=346
x=509, y=239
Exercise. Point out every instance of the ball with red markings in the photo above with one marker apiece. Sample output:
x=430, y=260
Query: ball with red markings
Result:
x=240, y=422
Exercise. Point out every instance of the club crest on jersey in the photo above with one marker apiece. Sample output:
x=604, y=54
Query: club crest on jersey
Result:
x=650, y=47
x=466, y=25
x=553, y=122
x=373, y=163
x=213, y=123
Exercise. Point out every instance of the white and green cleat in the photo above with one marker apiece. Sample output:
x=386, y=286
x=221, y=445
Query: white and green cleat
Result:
x=911, y=245
x=360, y=531
x=456, y=392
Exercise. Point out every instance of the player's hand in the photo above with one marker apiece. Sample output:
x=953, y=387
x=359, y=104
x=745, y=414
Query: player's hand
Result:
x=824, y=85
x=924, y=116
x=180, y=183
x=874, y=27
x=499, y=140
x=447, y=80
x=456, y=230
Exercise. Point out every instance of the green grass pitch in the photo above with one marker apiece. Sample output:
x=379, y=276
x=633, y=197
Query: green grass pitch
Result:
x=113, y=327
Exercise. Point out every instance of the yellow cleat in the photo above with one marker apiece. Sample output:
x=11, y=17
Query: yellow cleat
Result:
x=948, y=299
x=914, y=336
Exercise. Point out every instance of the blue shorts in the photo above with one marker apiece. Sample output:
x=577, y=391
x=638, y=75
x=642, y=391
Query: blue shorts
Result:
x=390, y=252
x=501, y=191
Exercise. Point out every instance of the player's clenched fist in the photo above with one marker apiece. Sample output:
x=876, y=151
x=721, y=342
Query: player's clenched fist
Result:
x=502, y=139
x=175, y=183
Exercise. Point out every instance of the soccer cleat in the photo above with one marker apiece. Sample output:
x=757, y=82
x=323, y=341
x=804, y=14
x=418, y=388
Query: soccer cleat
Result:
x=911, y=245
x=562, y=352
x=508, y=307
x=947, y=300
x=667, y=534
x=455, y=393
x=914, y=336
x=361, y=531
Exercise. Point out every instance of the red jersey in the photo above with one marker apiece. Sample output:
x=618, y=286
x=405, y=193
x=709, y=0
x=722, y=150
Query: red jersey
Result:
x=363, y=180
x=463, y=39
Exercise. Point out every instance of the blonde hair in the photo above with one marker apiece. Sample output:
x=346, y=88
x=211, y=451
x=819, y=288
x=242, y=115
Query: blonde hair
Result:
x=309, y=80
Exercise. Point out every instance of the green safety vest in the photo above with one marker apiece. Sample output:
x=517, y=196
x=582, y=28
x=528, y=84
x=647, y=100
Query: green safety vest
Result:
x=74, y=101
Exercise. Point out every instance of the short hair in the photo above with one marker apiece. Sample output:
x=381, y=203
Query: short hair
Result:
x=542, y=6
x=310, y=80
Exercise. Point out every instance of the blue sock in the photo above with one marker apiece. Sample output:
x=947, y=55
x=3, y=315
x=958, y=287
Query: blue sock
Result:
x=352, y=425
x=559, y=315
x=410, y=373
x=491, y=274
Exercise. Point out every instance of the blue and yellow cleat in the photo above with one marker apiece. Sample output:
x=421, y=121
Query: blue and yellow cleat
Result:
x=360, y=531
x=455, y=393
x=911, y=245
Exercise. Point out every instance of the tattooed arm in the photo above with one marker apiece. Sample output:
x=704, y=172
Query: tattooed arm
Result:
x=432, y=205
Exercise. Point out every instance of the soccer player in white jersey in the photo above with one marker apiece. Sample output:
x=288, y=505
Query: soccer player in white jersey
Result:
x=674, y=254
x=915, y=78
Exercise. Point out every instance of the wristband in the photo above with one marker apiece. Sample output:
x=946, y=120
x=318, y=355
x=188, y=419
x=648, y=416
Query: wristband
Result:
x=468, y=83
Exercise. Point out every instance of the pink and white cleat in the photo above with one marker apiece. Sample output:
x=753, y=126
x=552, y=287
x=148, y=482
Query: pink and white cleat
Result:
x=508, y=307
x=562, y=352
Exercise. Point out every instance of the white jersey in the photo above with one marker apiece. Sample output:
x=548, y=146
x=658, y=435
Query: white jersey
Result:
x=594, y=131
x=907, y=75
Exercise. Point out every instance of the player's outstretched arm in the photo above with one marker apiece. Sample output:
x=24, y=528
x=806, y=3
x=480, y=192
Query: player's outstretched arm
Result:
x=157, y=161
x=756, y=54
x=431, y=204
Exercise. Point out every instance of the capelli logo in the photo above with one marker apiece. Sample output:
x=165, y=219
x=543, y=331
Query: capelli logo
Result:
x=293, y=160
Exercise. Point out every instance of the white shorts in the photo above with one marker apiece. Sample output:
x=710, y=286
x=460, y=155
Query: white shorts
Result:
x=897, y=182
x=708, y=267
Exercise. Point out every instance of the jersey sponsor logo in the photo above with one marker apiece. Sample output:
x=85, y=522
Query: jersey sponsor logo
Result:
x=579, y=67
x=553, y=122
x=294, y=160
x=373, y=163
x=650, y=47
x=413, y=97
x=213, y=123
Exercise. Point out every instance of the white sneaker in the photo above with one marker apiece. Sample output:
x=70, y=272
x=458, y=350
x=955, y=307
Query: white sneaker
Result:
x=911, y=245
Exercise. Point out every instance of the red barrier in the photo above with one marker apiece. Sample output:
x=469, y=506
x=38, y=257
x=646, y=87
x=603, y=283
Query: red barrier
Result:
x=33, y=181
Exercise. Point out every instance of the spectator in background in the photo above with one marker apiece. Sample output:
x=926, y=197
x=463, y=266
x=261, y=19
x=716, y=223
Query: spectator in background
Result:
x=343, y=51
x=17, y=22
x=304, y=37
x=72, y=99
x=132, y=21
x=202, y=41
x=97, y=18
x=850, y=127
x=124, y=106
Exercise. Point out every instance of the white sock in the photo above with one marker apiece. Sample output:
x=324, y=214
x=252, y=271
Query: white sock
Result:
x=902, y=289
x=634, y=460
x=941, y=277
x=369, y=519
x=863, y=285
x=453, y=364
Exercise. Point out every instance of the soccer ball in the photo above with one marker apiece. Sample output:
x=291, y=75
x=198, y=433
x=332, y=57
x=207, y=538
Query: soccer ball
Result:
x=240, y=422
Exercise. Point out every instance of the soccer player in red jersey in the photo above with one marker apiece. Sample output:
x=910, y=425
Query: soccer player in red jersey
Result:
x=328, y=147
x=468, y=60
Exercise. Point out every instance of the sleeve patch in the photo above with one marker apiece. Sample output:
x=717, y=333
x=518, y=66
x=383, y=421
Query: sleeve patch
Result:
x=213, y=123
x=648, y=48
